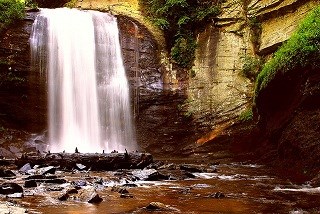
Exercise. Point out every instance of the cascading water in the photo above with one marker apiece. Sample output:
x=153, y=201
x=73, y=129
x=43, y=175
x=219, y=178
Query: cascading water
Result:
x=88, y=94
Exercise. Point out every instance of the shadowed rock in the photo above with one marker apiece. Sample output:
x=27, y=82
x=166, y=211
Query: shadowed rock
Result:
x=10, y=188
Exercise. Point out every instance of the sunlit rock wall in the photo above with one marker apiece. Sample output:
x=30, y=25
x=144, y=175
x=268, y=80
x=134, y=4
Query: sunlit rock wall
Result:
x=217, y=91
x=279, y=19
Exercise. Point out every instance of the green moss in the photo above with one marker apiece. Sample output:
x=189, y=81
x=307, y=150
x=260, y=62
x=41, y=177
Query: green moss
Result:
x=11, y=10
x=251, y=66
x=247, y=115
x=301, y=50
x=179, y=20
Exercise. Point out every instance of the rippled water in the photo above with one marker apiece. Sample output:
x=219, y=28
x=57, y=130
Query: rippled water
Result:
x=246, y=189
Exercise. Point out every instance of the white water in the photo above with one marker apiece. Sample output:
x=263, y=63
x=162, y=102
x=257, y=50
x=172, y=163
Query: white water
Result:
x=88, y=94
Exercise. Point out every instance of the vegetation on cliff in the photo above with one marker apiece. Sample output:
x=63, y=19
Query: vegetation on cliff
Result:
x=179, y=20
x=302, y=50
x=11, y=10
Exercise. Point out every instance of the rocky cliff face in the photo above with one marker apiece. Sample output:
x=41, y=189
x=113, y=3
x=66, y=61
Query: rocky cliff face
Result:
x=289, y=120
x=218, y=92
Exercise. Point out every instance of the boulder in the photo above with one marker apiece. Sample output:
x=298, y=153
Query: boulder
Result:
x=10, y=188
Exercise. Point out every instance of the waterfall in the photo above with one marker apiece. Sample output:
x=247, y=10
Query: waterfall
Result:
x=79, y=55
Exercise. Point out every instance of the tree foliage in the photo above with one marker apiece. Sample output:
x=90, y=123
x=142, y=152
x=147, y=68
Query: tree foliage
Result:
x=11, y=10
x=180, y=19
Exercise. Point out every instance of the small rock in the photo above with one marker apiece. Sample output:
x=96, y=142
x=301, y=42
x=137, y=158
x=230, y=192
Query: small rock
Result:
x=80, y=166
x=98, y=181
x=217, y=195
x=55, y=188
x=79, y=183
x=63, y=197
x=89, y=195
x=126, y=196
x=156, y=176
x=15, y=195
x=123, y=191
x=30, y=183
x=25, y=168
x=72, y=190
x=47, y=170
x=157, y=206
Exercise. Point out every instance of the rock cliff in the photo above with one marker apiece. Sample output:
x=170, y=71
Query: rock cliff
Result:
x=167, y=110
x=218, y=91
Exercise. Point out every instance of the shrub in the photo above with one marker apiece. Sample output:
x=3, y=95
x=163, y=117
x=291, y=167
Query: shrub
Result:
x=179, y=20
x=11, y=10
x=301, y=50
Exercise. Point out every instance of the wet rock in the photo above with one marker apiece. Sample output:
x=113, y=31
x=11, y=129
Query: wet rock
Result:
x=119, y=189
x=8, y=207
x=158, y=206
x=156, y=176
x=192, y=168
x=10, y=188
x=217, y=195
x=30, y=183
x=54, y=188
x=98, y=181
x=89, y=195
x=123, y=191
x=47, y=170
x=15, y=195
x=149, y=175
x=63, y=197
x=6, y=173
x=80, y=166
x=126, y=196
x=79, y=183
x=72, y=190
x=25, y=168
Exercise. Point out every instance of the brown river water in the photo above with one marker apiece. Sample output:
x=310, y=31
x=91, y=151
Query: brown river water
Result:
x=245, y=188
